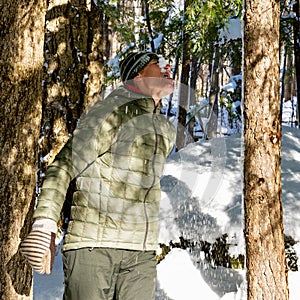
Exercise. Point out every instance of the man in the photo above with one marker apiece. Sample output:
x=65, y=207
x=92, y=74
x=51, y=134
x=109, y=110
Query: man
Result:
x=116, y=157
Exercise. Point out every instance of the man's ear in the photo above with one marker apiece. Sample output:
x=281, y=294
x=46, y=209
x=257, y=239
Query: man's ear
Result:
x=138, y=77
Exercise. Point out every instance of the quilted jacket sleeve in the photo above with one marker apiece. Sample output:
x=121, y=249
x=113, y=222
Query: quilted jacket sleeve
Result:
x=58, y=177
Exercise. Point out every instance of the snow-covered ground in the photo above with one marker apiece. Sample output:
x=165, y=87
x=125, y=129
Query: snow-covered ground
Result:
x=205, y=179
x=201, y=200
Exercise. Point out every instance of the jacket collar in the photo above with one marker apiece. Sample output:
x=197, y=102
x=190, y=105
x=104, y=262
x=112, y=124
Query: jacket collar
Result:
x=144, y=101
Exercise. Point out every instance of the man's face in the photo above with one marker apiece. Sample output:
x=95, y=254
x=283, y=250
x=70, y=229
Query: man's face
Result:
x=157, y=78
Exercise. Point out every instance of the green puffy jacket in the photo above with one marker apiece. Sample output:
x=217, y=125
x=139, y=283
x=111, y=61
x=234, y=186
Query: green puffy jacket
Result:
x=117, y=156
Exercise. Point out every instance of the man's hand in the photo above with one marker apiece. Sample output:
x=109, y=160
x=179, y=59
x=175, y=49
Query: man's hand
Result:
x=39, y=246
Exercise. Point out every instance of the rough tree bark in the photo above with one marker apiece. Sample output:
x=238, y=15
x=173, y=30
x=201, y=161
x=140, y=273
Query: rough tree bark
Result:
x=148, y=22
x=266, y=265
x=289, y=80
x=182, y=132
x=21, y=63
x=296, y=8
x=212, y=124
x=76, y=46
x=74, y=58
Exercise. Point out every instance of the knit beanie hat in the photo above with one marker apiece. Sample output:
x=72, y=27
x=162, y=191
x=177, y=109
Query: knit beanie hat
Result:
x=134, y=63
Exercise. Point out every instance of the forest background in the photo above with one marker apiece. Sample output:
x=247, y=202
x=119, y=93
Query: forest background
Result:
x=58, y=56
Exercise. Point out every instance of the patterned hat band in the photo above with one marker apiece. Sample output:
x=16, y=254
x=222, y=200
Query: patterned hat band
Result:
x=134, y=63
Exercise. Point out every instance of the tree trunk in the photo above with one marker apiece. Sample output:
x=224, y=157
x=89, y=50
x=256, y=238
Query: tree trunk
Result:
x=183, y=89
x=289, y=80
x=75, y=49
x=73, y=74
x=149, y=27
x=266, y=265
x=195, y=66
x=283, y=73
x=21, y=48
x=296, y=9
x=183, y=100
x=212, y=124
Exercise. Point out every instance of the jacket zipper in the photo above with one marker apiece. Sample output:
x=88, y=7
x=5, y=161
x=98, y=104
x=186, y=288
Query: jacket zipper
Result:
x=153, y=182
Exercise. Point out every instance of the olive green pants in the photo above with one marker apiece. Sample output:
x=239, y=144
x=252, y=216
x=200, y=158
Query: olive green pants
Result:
x=109, y=274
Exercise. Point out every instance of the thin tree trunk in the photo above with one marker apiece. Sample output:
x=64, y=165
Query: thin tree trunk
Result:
x=195, y=66
x=289, y=80
x=21, y=48
x=183, y=97
x=266, y=265
x=212, y=125
x=149, y=25
x=282, y=92
x=184, y=89
x=297, y=54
